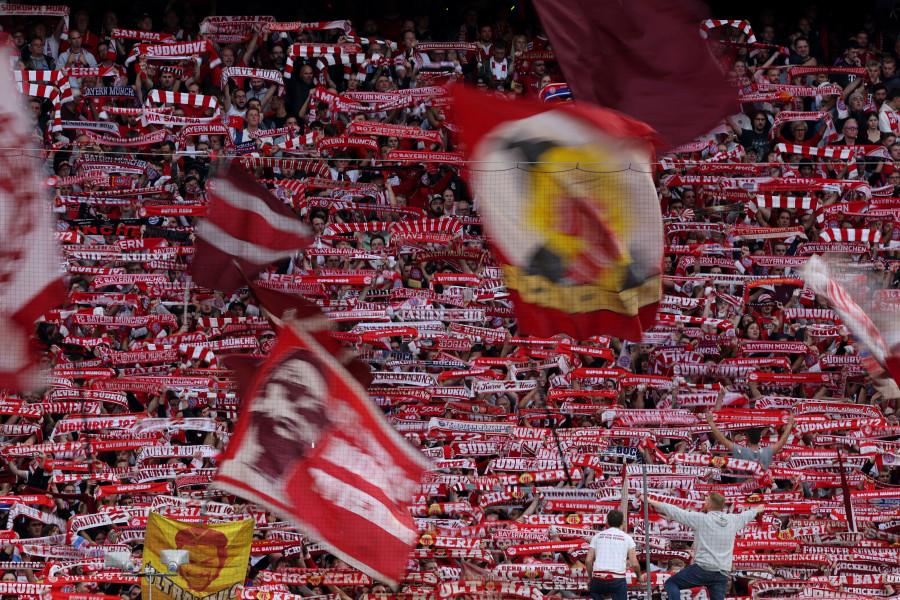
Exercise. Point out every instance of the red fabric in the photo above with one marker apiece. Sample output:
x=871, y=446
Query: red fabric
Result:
x=239, y=208
x=345, y=504
x=668, y=79
x=546, y=322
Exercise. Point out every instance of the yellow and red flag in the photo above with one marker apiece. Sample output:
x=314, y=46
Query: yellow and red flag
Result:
x=219, y=555
x=566, y=196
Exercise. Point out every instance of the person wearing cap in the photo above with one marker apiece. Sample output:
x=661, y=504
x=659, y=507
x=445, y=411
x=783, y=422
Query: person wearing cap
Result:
x=436, y=206
x=144, y=22
x=236, y=309
x=770, y=322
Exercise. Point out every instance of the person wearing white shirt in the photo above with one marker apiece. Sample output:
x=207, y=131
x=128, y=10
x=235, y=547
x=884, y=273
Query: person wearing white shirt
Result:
x=611, y=551
x=888, y=119
x=75, y=57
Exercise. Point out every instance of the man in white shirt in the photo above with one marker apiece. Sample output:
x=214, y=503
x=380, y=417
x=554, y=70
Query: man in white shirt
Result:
x=75, y=57
x=606, y=559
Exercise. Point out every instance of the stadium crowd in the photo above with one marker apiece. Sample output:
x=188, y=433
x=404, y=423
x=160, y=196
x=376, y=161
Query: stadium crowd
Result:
x=748, y=385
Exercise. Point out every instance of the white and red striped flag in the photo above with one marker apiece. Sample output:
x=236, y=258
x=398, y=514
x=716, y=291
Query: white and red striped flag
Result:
x=29, y=265
x=245, y=224
x=867, y=326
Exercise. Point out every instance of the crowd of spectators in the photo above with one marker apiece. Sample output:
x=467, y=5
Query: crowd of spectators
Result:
x=748, y=385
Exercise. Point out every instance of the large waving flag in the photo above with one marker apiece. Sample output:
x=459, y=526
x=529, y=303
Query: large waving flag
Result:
x=245, y=224
x=218, y=553
x=644, y=58
x=313, y=448
x=30, y=283
x=567, y=198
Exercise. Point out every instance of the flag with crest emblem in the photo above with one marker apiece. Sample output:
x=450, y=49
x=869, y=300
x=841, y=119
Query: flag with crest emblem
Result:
x=566, y=195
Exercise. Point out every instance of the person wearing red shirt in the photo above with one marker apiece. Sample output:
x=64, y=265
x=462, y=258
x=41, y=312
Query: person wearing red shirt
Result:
x=416, y=192
x=529, y=84
x=89, y=39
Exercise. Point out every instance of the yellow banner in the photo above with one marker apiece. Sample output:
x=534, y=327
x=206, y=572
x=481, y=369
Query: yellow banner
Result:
x=219, y=555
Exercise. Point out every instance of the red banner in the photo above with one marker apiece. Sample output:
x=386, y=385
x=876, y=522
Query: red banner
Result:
x=344, y=485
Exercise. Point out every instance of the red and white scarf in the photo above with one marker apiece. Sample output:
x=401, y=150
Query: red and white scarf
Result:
x=389, y=130
x=272, y=75
x=320, y=50
x=49, y=92
x=831, y=134
x=141, y=140
x=710, y=24
x=498, y=69
x=135, y=34
x=26, y=10
x=195, y=100
x=310, y=26
x=179, y=51
x=865, y=236
x=55, y=78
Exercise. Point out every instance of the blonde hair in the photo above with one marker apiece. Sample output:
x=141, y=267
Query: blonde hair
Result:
x=716, y=500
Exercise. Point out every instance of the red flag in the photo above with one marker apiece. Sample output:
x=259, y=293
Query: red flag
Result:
x=644, y=58
x=313, y=448
x=246, y=224
x=29, y=265
x=581, y=246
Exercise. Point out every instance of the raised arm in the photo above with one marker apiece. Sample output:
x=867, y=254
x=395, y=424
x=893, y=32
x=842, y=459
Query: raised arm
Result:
x=784, y=436
x=268, y=96
x=729, y=120
x=226, y=97
x=685, y=517
x=718, y=435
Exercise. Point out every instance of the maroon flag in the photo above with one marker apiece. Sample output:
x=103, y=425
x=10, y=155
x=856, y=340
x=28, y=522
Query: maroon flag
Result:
x=29, y=265
x=313, y=448
x=245, y=224
x=644, y=58
x=579, y=237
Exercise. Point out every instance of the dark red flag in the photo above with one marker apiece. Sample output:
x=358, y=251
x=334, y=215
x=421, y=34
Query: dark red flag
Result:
x=644, y=58
x=245, y=224
x=579, y=236
x=29, y=260
x=312, y=447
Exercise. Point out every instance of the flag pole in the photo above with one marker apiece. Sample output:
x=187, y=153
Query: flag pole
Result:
x=562, y=455
x=187, y=298
x=646, y=533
